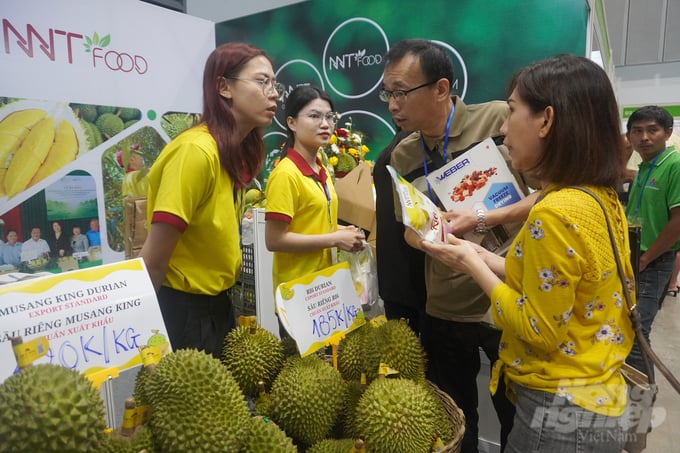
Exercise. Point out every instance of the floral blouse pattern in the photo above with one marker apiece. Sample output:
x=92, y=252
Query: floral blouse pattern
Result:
x=564, y=318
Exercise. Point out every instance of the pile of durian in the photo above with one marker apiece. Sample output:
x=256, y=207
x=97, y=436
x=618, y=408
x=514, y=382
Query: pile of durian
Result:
x=261, y=397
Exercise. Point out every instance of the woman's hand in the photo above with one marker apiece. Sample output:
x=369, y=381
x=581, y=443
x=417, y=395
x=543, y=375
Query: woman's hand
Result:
x=458, y=254
x=349, y=238
x=468, y=258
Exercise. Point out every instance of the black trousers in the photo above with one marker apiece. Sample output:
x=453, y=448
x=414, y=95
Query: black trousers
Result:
x=196, y=321
x=453, y=364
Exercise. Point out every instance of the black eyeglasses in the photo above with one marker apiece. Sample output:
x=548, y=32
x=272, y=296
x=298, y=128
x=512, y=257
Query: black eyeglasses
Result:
x=400, y=95
x=268, y=85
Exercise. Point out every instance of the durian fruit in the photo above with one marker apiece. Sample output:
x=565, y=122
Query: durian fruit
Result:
x=196, y=404
x=290, y=348
x=265, y=436
x=130, y=114
x=346, y=162
x=346, y=422
x=175, y=123
x=263, y=402
x=109, y=124
x=252, y=354
x=307, y=397
x=139, y=441
x=396, y=345
x=86, y=112
x=93, y=136
x=332, y=446
x=50, y=408
x=396, y=416
x=351, y=362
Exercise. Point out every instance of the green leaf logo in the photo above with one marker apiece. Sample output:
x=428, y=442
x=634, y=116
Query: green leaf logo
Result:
x=96, y=41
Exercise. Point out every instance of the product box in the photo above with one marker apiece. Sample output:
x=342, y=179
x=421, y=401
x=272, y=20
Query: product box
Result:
x=479, y=179
x=356, y=199
x=134, y=216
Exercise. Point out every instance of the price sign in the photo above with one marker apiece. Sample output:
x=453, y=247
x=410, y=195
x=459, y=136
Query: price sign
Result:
x=314, y=307
x=92, y=319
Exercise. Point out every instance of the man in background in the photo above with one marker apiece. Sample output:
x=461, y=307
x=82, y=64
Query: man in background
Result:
x=92, y=234
x=35, y=247
x=654, y=204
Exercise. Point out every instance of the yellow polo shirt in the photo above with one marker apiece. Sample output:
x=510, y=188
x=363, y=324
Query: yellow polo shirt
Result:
x=309, y=204
x=188, y=181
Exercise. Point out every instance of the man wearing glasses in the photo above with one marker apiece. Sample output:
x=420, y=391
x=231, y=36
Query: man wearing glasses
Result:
x=447, y=308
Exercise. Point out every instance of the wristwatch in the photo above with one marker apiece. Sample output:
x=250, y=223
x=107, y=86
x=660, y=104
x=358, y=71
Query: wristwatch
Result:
x=481, y=227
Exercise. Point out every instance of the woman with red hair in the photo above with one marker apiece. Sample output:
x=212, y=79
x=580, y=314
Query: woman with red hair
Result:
x=195, y=197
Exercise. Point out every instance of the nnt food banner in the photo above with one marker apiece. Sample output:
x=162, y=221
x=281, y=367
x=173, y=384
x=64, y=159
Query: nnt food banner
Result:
x=340, y=47
x=90, y=92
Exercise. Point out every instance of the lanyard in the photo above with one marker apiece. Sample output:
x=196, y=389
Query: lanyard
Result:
x=445, y=145
x=644, y=184
x=327, y=194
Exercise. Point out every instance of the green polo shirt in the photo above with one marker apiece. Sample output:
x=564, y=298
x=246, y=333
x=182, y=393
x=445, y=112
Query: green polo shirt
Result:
x=655, y=191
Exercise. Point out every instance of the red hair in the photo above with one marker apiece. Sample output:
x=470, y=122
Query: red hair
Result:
x=241, y=159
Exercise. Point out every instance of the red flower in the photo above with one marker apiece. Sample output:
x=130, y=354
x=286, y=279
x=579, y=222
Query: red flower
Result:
x=341, y=132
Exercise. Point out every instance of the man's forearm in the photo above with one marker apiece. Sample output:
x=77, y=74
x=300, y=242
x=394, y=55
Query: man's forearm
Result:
x=513, y=213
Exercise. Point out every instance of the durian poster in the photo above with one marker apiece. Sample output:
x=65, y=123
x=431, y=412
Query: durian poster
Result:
x=319, y=306
x=90, y=92
x=92, y=319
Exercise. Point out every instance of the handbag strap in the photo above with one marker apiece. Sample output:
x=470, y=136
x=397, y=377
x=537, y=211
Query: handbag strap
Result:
x=647, y=353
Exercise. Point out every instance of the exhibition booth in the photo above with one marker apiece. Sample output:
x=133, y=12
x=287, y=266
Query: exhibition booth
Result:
x=122, y=79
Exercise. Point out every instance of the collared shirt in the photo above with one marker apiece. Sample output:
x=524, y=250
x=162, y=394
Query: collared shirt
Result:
x=188, y=183
x=10, y=254
x=655, y=191
x=308, y=203
x=31, y=249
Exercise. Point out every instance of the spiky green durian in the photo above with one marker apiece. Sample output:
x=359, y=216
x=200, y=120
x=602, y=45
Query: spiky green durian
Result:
x=139, y=441
x=265, y=436
x=109, y=124
x=307, y=397
x=130, y=114
x=196, y=404
x=263, y=402
x=351, y=362
x=252, y=354
x=332, y=446
x=93, y=137
x=87, y=112
x=346, y=162
x=396, y=345
x=346, y=422
x=175, y=123
x=50, y=408
x=102, y=109
x=397, y=415
x=290, y=348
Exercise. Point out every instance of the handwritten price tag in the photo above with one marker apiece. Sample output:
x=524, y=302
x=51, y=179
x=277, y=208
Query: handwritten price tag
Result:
x=314, y=307
x=91, y=319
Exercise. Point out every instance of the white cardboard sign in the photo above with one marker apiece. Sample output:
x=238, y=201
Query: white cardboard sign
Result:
x=315, y=307
x=93, y=318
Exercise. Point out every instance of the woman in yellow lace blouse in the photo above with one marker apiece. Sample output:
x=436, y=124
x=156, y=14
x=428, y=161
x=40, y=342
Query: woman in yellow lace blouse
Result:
x=561, y=307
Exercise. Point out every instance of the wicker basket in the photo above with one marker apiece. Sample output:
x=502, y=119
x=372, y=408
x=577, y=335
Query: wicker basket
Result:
x=456, y=418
